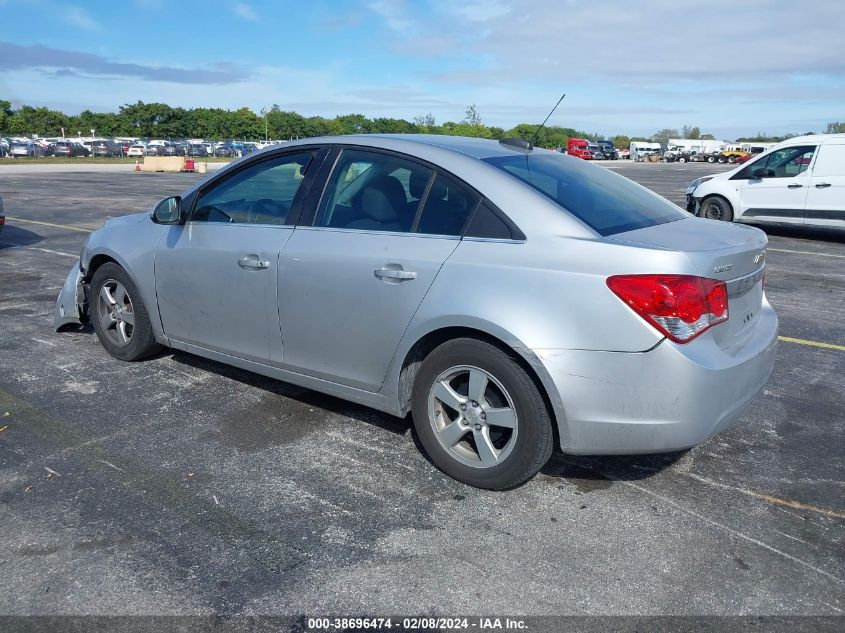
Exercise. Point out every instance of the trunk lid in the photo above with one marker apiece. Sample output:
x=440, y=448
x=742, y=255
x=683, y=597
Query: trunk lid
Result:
x=733, y=253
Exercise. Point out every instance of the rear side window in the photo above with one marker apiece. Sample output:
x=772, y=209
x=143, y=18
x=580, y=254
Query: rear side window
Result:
x=447, y=207
x=488, y=224
x=606, y=202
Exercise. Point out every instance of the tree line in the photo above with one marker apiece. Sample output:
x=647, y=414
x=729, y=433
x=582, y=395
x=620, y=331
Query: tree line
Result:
x=159, y=120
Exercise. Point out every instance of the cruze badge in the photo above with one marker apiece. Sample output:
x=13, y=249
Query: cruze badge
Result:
x=721, y=269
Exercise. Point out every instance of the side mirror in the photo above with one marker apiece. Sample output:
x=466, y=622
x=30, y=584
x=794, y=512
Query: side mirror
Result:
x=761, y=172
x=168, y=211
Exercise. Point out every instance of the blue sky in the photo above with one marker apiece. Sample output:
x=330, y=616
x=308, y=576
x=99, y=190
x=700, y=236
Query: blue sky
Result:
x=627, y=66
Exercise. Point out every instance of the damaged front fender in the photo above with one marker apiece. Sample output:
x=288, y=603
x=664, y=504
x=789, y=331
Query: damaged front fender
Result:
x=72, y=304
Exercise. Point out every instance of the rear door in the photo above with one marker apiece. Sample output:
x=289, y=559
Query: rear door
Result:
x=780, y=195
x=350, y=283
x=826, y=192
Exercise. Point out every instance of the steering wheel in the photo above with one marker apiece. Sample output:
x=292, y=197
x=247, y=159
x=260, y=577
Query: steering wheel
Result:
x=267, y=211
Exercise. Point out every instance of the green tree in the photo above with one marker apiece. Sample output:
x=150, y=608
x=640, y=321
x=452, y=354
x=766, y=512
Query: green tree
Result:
x=40, y=121
x=425, y=121
x=6, y=114
x=663, y=136
x=834, y=127
x=472, y=117
x=620, y=141
x=691, y=132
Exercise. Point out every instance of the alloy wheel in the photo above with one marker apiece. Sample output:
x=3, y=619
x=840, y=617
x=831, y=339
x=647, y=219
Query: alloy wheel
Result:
x=473, y=416
x=116, y=312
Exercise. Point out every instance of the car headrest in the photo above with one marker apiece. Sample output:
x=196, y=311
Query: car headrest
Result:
x=417, y=182
x=383, y=197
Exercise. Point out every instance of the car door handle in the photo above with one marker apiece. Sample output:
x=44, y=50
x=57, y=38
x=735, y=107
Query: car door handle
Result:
x=794, y=186
x=251, y=262
x=822, y=185
x=390, y=273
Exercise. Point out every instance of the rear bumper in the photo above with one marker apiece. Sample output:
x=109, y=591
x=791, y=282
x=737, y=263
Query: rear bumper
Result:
x=669, y=398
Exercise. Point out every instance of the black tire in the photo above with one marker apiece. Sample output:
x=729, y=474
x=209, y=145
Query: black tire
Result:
x=682, y=159
x=142, y=343
x=711, y=159
x=716, y=208
x=731, y=159
x=534, y=439
x=722, y=160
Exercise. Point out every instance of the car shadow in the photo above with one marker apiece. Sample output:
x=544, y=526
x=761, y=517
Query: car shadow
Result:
x=586, y=473
x=591, y=472
x=13, y=236
x=804, y=232
x=303, y=395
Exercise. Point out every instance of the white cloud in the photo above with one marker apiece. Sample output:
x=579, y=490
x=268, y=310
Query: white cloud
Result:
x=243, y=10
x=479, y=10
x=394, y=13
x=80, y=18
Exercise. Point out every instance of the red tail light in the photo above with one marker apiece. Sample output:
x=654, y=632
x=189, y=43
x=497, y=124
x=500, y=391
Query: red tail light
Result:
x=679, y=306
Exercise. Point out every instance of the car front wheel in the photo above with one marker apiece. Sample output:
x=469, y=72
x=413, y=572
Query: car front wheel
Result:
x=716, y=208
x=480, y=416
x=120, y=318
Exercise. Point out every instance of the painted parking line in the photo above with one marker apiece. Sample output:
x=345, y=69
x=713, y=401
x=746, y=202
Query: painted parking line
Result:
x=786, y=250
x=37, y=248
x=55, y=226
x=801, y=341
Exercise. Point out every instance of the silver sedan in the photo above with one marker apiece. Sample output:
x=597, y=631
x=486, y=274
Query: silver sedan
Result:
x=510, y=298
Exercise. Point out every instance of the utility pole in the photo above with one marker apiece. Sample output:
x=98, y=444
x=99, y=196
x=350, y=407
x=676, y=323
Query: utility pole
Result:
x=264, y=112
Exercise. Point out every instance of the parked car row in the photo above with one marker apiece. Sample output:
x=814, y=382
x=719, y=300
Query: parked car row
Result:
x=69, y=148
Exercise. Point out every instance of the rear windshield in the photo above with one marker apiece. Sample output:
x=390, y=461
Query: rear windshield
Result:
x=606, y=202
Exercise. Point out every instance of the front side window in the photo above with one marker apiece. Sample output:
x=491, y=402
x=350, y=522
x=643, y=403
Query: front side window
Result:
x=260, y=194
x=370, y=191
x=782, y=163
x=606, y=202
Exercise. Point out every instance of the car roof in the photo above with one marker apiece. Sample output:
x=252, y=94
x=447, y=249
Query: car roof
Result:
x=475, y=147
x=811, y=138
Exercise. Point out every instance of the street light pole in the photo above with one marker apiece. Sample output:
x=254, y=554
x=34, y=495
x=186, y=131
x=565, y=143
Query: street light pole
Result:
x=264, y=112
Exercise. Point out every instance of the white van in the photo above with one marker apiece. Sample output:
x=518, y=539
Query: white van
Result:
x=798, y=181
x=640, y=149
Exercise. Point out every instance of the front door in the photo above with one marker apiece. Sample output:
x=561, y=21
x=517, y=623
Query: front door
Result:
x=778, y=194
x=350, y=284
x=216, y=274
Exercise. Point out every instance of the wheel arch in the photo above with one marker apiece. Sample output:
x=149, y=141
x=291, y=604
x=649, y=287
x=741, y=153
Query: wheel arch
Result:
x=425, y=342
x=104, y=256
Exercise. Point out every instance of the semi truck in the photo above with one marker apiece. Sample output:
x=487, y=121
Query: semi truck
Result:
x=579, y=147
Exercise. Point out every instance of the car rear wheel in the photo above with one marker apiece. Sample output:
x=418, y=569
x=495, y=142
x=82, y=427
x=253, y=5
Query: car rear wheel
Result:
x=716, y=208
x=479, y=415
x=120, y=318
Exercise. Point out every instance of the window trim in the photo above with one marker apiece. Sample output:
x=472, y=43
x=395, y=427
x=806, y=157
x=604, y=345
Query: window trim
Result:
x=295, y=212
x=327, y=169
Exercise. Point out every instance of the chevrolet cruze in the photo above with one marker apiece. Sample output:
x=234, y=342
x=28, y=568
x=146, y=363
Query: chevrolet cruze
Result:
x=511, y=299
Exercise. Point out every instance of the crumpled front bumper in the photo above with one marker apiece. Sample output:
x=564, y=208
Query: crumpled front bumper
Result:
x=72, y=303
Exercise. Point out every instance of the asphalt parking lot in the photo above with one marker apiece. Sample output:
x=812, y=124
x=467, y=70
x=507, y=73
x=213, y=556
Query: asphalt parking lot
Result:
x=179, y=485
